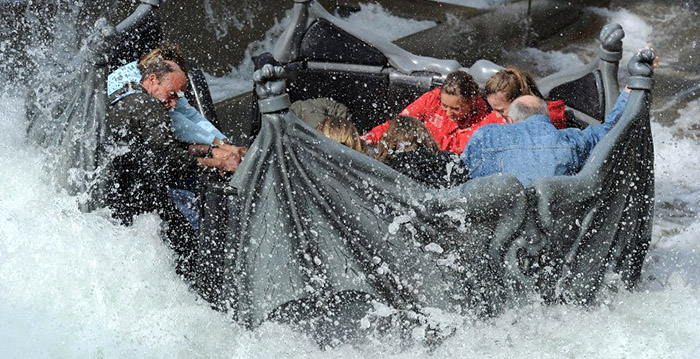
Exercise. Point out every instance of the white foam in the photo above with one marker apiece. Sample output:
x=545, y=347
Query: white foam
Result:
x=375, y=18
x=77, y=285
x=548, y=61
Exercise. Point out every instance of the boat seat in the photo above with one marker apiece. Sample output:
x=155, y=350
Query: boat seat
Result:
x=587, y=94
x=146, y=35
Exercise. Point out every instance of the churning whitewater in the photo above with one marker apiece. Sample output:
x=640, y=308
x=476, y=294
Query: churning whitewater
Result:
x=79, y=285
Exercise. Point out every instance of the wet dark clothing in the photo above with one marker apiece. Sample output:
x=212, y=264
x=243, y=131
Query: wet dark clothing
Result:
x=147, y=159
x=441, y=169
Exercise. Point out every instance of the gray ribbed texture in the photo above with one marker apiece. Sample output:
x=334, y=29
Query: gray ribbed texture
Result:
x=317, y=219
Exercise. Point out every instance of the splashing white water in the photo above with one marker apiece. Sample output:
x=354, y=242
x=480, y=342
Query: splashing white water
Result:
x=375, y=18
x=637, y=35
x=77, y=285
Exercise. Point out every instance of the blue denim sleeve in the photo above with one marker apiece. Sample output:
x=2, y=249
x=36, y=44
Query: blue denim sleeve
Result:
x=465, y=156
x=183, y=107
x=592, y=134
x=617, y=110
x=471, y=156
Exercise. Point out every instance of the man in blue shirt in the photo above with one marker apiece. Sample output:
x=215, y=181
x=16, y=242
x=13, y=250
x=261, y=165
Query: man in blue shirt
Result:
x=531, y=147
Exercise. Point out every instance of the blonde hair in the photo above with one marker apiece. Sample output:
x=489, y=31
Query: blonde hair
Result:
x=404, y=134
x=343, y=131
x=513, y=83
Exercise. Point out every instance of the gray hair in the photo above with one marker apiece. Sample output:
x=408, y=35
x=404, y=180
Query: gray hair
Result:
x=526, y=106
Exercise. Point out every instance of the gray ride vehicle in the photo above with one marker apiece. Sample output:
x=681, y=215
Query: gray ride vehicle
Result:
x=307, y=231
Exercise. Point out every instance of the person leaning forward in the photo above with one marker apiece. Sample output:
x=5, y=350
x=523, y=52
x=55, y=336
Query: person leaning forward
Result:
x=150, y=159
x=531, y=147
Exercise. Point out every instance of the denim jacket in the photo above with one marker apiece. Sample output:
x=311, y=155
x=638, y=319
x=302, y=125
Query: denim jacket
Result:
x=535, y=148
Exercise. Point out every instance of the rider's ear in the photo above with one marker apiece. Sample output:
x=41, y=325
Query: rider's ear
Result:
x=152, y=78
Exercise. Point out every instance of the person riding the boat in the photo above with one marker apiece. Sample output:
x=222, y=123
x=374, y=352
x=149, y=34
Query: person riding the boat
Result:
x=149, y=159
x=151, y=170
x=446, y=112
x=507, y=85
x=408, y=147
x=186, y=123
x=189, y=125
x=531, y=147
x=343, y=131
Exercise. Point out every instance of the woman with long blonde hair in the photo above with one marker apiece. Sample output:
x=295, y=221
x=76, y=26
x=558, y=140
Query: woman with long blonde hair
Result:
x=341, y=130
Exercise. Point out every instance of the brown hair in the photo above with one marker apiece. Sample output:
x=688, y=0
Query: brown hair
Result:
x=513, y=83
x=343, y=131
x=153, y=62
x=460, y=83
x=405, y=133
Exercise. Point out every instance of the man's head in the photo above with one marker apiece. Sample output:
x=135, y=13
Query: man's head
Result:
x=526, y=106
x=162, y=76
x=457, y=95
x=165, y=51
x=165, y=81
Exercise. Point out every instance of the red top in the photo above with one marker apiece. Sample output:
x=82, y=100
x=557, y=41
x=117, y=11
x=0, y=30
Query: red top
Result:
x=454, y=136
x=556, y=113
x=461, y=138
x=428, y=109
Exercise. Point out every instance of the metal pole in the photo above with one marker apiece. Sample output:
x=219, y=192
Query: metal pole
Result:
x=144, y=9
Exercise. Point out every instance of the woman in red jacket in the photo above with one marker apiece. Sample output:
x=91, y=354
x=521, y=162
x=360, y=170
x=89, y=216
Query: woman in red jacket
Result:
x=446, y=112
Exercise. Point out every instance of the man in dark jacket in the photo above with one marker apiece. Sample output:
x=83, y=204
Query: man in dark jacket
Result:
x=147, y=159
x=148, y=164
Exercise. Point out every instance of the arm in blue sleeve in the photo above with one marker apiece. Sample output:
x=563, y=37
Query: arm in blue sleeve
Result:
x=183, y=107
x=469, y=156
x=617, y=110
x=592, y=134
x=187, y=131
